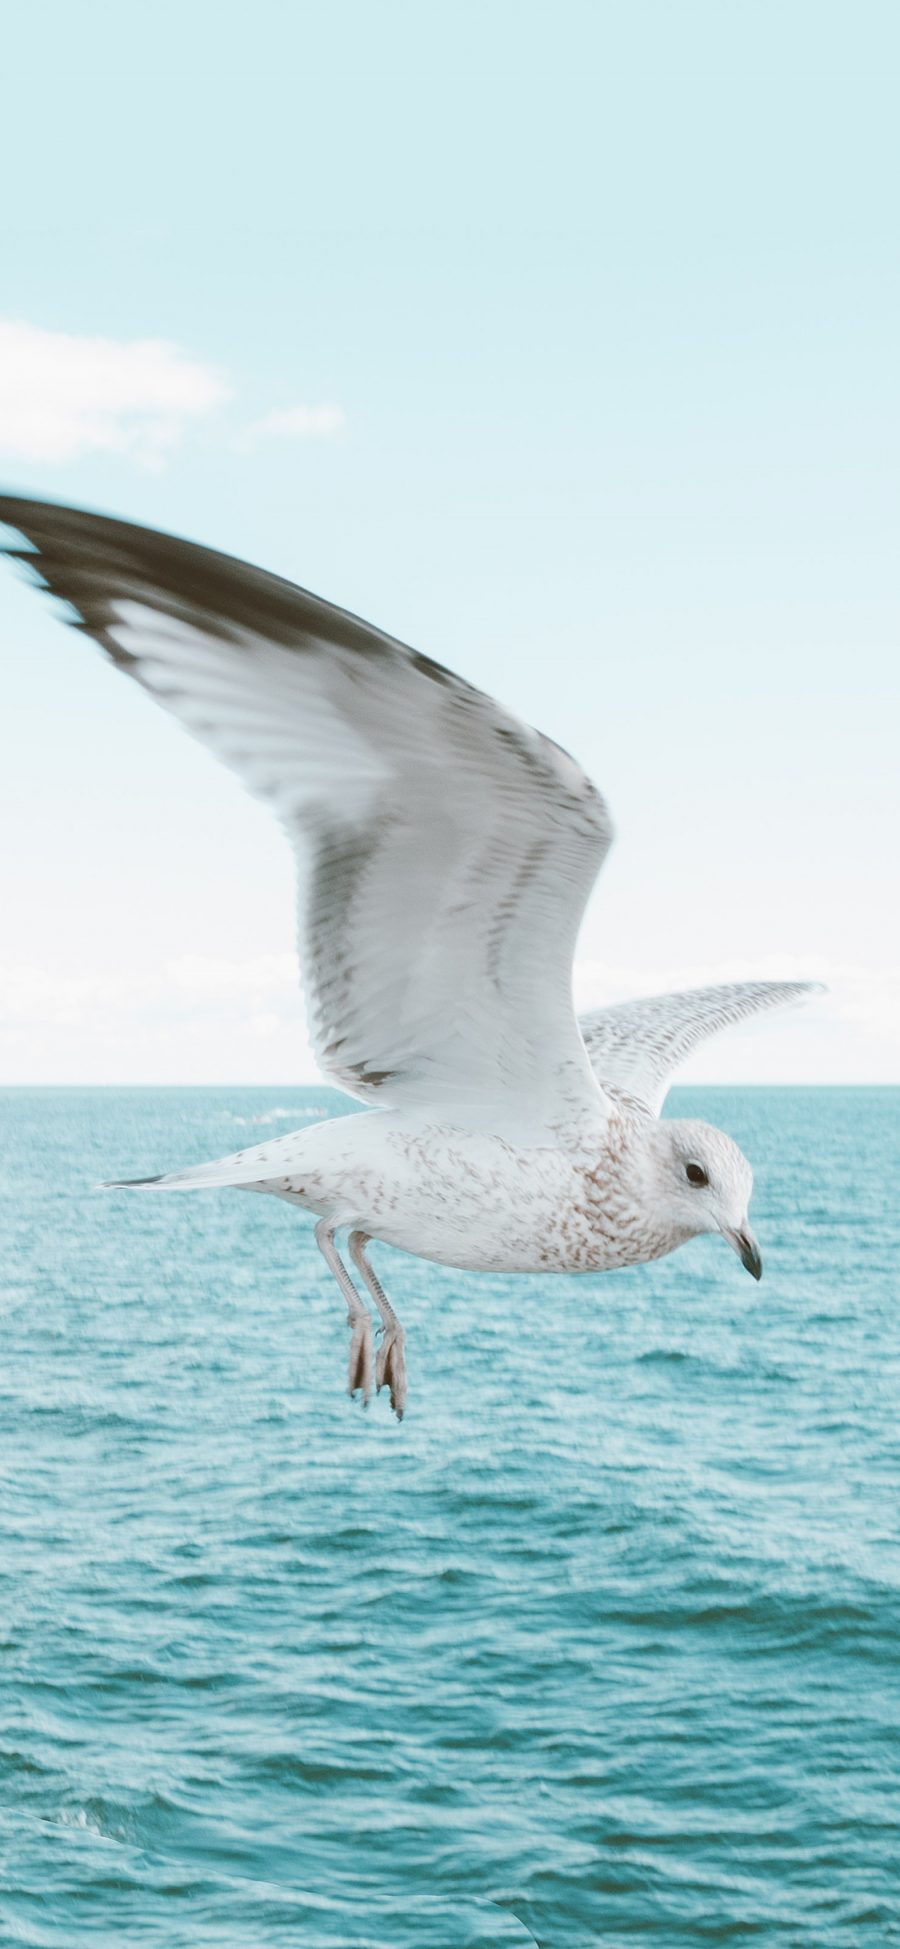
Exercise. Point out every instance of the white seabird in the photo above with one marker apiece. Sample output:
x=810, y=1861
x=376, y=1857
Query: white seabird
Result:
x=446, y=854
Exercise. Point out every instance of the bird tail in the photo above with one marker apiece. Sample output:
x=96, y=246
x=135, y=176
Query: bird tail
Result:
x=279, y=1158
x=202, y=1175
x=129, y=1184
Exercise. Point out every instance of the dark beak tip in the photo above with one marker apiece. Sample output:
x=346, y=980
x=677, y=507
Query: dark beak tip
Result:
x=750, y=1258
x=748, y=1252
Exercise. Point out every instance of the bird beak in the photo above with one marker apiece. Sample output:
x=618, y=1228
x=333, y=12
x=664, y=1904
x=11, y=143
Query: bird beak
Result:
x=747, y=1250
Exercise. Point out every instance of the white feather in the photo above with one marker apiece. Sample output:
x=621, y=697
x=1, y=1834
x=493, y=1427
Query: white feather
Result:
x=446, y=851
x=635, y=1046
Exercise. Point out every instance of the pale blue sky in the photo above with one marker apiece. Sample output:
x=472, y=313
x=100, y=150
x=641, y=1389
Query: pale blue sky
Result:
x=606, y=299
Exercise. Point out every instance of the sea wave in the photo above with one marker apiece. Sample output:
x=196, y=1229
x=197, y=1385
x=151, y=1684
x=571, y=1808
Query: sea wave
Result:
x=602, y=1644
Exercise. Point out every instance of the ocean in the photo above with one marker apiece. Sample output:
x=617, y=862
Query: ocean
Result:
x=602, y=1644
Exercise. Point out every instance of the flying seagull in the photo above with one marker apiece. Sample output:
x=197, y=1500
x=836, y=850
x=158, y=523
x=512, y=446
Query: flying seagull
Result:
x=446, y=853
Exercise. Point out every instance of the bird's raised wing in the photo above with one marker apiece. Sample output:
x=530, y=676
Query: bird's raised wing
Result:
x=447, y=851
x=635, y=1046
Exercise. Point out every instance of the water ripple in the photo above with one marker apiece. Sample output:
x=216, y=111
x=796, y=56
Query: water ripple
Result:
x=602, y=1644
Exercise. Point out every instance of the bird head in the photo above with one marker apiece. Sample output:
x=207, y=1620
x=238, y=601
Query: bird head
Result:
x=706, y=1182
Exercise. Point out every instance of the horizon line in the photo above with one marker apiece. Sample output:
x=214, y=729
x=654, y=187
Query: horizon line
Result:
x=860, y=1083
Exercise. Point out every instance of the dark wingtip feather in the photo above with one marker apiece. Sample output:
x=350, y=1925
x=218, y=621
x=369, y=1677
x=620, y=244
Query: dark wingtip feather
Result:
x=94, y=561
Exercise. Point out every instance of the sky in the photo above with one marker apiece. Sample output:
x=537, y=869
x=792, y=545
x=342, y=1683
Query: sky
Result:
x=558, y=340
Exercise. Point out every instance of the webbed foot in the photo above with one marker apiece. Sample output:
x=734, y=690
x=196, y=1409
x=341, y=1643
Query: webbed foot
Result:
x=361, y=1363
x=390, y=1367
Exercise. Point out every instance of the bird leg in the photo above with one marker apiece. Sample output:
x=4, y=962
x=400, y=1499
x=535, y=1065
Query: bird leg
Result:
x=390, y=1369
x=359, y=1319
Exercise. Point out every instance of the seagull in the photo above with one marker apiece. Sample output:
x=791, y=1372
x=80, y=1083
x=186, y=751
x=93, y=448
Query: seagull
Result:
x=446, y=853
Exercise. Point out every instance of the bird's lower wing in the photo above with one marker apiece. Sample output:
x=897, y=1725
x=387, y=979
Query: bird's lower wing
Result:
x=635, y=1046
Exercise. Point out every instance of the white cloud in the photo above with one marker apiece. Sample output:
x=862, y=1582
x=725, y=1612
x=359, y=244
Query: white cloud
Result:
x=195, y=1019
x=301, y=423
x=62, y=396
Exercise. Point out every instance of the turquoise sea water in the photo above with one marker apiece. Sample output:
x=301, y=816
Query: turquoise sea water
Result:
x=601, y=1645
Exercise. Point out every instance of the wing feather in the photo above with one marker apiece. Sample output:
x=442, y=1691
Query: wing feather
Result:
x=446, y=851
x=635, y=1046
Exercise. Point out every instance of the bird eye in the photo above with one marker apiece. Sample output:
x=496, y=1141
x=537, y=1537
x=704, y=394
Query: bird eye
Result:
x=695, y=1174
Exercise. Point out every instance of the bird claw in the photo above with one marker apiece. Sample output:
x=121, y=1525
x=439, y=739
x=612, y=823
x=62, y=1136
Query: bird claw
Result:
x=390, y=1368
x=359, y=1370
